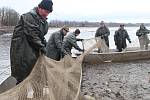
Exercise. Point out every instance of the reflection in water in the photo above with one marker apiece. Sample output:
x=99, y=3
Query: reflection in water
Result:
x=4, y=56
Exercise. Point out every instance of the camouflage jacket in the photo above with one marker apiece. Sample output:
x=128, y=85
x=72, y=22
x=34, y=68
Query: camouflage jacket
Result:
x=71, y=41
x=54, y=46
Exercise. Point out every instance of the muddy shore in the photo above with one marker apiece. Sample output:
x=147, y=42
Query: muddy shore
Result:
x=117, y=81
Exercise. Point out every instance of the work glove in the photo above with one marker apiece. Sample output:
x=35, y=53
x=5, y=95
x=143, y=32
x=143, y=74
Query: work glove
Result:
x=79, y=39
x=102, y=37
x=82, y=50
x=43, y=50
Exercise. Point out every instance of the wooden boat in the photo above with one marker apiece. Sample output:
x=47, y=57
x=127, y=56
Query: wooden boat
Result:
x=97, y=58
x=131, y=54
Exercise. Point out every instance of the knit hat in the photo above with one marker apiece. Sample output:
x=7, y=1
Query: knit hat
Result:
x=46, y=4
x=77, y=31
x=102, y=23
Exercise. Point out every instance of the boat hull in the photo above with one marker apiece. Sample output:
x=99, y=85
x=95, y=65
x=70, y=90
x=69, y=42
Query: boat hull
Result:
x=97, y=58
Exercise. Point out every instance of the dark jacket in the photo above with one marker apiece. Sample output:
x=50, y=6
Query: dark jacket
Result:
x=120, y=38
x=103, y=32
x=27, y=40
x=71, y=41
x=54, y=46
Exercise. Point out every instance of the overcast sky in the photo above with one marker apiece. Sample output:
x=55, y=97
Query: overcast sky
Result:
x=128, y=11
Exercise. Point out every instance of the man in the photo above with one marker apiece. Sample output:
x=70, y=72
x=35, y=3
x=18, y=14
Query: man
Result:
x=120, y=38
x=103, y=32
x=71, y=41
x=28, y=40
x=55, y=49
x=143, y=38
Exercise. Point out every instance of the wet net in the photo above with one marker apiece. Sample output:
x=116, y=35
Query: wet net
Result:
x=101, y=45
x=51, y=80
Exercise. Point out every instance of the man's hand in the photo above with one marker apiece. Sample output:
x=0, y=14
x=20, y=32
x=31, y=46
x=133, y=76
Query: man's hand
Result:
x=82, y=50
x=102, y=37
x=80, y=39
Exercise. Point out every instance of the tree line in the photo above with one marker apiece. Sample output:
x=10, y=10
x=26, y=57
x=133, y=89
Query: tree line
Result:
x=9, y=17
x=59, y=23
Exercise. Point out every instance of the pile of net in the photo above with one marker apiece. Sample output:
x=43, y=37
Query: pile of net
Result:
x=51, y=80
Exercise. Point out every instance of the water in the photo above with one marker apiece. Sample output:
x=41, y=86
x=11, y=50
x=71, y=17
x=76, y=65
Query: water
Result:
x=86, y=33
x=4, y=56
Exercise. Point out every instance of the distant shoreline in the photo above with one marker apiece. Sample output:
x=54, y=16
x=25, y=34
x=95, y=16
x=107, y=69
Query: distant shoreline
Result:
x=58, y=23
x=9, y=29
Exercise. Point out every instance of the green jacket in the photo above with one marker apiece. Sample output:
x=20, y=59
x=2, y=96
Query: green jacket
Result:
x=54, y=46
x=103, y=32
x=71, y=41
x=27, y=40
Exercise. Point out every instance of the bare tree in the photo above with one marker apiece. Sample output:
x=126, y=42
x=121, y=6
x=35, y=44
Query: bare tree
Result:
x=8, y=17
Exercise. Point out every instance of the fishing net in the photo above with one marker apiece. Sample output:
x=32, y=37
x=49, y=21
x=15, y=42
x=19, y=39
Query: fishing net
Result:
x=51, y=80
x=88, y=43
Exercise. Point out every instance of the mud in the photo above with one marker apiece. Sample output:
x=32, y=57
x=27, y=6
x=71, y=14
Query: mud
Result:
x=117, y=81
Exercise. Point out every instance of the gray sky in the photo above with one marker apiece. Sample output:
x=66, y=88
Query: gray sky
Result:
x=128, y=11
